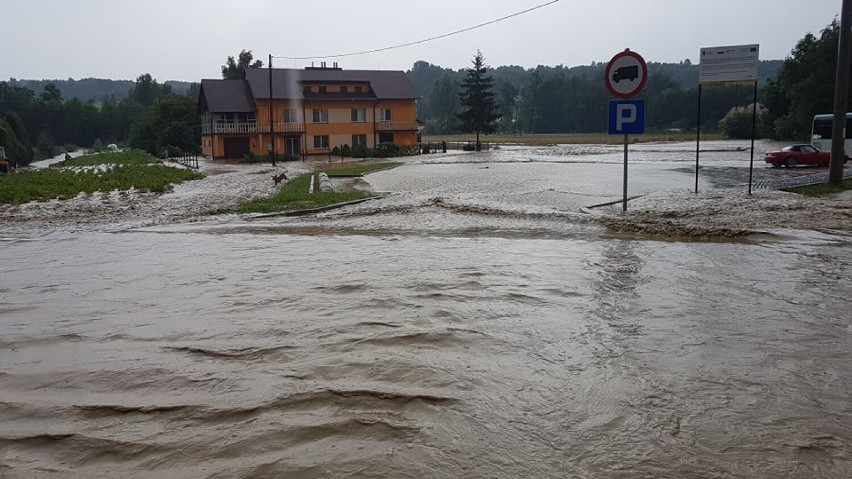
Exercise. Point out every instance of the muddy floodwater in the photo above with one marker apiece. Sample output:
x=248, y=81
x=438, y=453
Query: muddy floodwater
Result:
x=471, y=323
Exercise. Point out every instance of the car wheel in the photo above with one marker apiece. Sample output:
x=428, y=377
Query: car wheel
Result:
x=791, y=161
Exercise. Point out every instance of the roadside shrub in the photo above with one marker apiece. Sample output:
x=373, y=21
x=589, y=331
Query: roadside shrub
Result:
x=335, y=151
x=360, y=151
x=386, y=150
x=345, y=150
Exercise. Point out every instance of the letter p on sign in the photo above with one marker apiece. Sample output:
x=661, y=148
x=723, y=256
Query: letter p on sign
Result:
x=626, y=117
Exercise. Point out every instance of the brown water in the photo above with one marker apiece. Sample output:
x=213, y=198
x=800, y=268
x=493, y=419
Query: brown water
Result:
x=470, y=324
x=311, y=353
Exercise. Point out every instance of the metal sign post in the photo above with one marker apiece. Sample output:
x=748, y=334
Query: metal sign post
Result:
x=625, y=77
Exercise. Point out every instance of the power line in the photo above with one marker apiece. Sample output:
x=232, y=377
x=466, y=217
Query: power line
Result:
x=403, y=45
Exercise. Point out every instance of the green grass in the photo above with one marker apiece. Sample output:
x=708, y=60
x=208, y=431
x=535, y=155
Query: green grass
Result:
x=360, y=169
x=294, y=194
x=52, y=183
x=132, y=157
x=822, y=189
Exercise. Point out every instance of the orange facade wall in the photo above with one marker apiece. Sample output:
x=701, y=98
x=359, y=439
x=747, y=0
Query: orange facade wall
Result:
x=339, y=128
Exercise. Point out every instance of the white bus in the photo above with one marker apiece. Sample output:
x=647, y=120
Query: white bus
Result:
x=821, y=132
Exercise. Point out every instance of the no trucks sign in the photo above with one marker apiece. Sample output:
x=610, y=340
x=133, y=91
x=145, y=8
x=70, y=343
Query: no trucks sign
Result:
x=626, y=74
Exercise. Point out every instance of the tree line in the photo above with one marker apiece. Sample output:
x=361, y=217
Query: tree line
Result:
x=151, y=117
x=563, y=100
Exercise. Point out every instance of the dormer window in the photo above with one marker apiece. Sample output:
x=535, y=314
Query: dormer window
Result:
x=306, y=89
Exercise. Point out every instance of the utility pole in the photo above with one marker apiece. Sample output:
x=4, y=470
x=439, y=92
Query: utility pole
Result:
x=271, y=116
x=841, y=95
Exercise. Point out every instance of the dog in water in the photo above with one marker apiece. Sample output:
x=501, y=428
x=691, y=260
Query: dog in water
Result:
x=279, y=178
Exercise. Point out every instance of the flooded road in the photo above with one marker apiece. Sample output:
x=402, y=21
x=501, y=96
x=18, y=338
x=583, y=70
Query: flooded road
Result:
x=470, y=324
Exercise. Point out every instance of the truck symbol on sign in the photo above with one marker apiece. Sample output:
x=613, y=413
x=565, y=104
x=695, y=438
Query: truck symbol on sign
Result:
x=626, y=73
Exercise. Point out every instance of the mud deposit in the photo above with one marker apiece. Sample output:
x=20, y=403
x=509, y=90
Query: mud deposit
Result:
x=471, y=323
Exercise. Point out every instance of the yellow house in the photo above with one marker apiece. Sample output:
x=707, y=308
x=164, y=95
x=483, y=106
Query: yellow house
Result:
x=306, y=112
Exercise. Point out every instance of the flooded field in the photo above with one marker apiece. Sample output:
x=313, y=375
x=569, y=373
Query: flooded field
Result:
x=472, y=323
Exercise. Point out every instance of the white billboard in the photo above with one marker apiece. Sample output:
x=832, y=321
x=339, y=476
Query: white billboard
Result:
x=728, y=64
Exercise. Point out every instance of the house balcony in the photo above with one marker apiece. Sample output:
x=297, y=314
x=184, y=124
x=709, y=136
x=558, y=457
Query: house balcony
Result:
x=396, y=126
x=249, y=128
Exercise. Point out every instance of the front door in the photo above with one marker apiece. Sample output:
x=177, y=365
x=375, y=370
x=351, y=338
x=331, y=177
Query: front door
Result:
x=236, y=148
x=292, y=147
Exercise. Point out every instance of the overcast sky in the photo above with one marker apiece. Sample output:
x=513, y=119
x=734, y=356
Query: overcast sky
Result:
x=190, y=39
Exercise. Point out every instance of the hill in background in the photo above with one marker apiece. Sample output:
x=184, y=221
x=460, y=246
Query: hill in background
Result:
x=96, y=89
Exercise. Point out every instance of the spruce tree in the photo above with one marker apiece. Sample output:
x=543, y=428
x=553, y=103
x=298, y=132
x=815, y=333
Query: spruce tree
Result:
x=477, y=100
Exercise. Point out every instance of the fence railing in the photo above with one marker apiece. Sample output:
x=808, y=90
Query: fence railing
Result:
x=396, y=126
x=190, y=160
x=249, y=127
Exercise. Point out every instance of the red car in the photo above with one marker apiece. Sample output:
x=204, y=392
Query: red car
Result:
x=795, y=155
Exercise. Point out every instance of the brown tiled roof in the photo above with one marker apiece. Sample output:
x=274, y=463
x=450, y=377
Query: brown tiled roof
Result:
x=225, y=96
x=287, y=83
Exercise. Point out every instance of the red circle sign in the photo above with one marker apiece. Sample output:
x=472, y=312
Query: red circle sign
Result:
x=626, y=74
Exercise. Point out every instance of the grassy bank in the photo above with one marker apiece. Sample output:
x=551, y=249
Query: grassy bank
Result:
x=137, y=171
x=132, y=157
x=822, y=189
x=294, y=195
x=570, y=138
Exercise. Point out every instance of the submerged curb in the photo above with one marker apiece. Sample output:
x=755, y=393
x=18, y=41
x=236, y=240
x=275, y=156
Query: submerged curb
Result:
x=314, y=210
x=588, y=209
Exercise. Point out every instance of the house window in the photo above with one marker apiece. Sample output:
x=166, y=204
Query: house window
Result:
x=323, y=89
x=359, y=115
x=344, y=89
x=359, y=89
x=385, y=137
x=359, y=140
x=320, y=116
x=306, y=89
x=321, y=142
x=387, y=115
x=290, y=116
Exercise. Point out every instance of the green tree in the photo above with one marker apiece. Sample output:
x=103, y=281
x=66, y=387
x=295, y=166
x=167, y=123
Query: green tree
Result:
x=146, y=91
x=442, y=106
x=805, y=84
x=171, y=124
x=236, y=69
x=477, y=100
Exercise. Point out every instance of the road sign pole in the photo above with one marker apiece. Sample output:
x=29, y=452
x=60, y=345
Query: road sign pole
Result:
x=753, y=134
x=624, y=204
x=697, y=138
x=625, y=76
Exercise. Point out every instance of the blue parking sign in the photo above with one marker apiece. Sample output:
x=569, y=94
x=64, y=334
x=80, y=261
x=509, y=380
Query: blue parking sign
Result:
x=626, y=117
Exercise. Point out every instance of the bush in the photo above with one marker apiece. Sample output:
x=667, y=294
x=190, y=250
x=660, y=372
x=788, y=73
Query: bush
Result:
x=360, y=151
x=738, y=125
x=335, y=151
x=345, y=150
x=386, y=150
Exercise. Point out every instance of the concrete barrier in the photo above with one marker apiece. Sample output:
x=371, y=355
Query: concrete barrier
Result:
x=325, y=185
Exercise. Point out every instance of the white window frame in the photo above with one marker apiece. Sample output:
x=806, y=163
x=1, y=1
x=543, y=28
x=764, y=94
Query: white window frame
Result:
x=359, y=115
x=290, y=116
x=387, y=115
x=320, y=115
